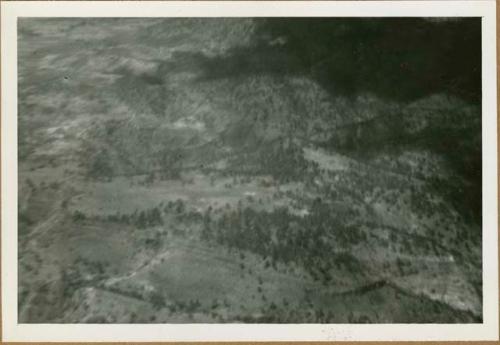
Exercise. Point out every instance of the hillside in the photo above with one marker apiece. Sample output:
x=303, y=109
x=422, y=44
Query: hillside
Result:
x=249, y=170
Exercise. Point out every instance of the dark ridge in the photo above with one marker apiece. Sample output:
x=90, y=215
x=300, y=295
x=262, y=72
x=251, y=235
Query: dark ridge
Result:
x=379, y=284
x=476, y=318
x=400, y=59
x=365, y=288
x=396, y=58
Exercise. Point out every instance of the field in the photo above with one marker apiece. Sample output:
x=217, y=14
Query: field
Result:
x=249, y=170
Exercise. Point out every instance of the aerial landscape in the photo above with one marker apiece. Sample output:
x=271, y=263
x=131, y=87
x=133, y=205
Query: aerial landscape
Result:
x=249, y=170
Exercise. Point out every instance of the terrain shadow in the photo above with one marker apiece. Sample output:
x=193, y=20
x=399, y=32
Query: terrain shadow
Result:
x=396, y=59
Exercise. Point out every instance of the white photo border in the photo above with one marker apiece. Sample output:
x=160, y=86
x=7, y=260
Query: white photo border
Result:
x=13, y=331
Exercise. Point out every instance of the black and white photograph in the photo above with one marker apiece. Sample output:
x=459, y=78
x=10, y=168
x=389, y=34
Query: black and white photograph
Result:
x=250, y=170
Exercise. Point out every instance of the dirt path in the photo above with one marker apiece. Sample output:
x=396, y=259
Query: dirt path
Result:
x=153, y=262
